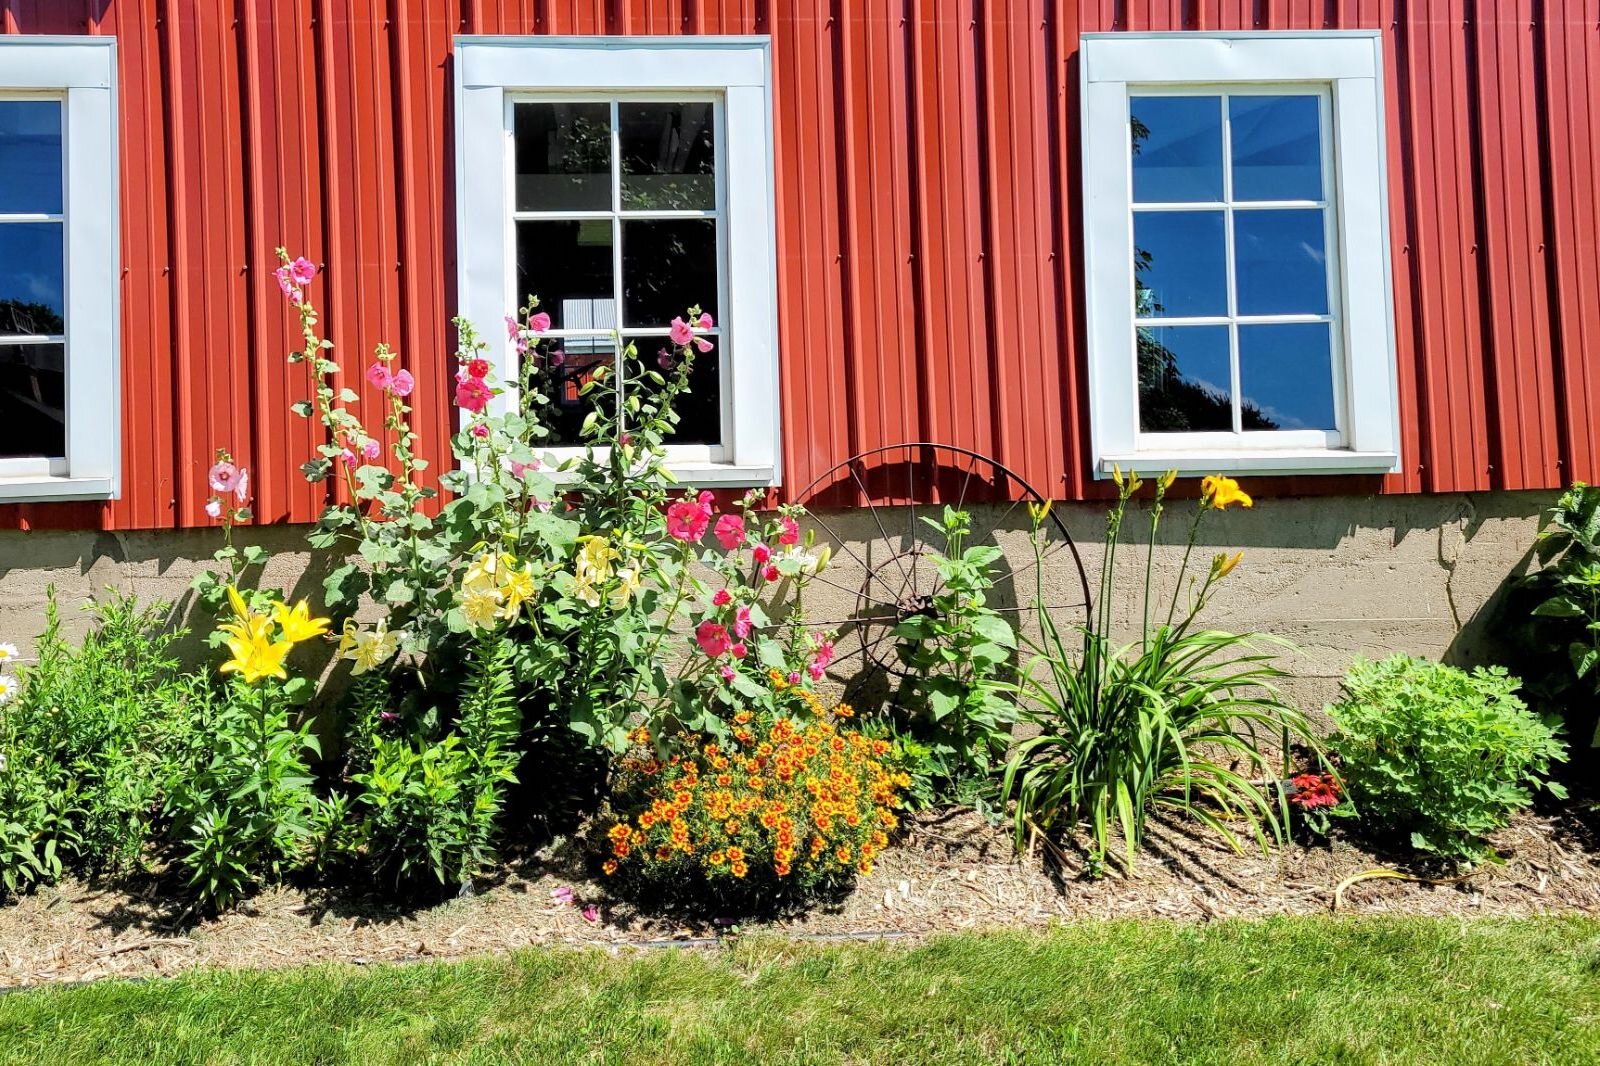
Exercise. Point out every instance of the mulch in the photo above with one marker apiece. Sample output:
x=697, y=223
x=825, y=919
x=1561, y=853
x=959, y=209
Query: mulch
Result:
x=951, y=871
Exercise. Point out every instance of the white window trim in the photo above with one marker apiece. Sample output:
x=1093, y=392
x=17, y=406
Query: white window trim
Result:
x=81, y=72
x=492, y=71
x=1349, y=65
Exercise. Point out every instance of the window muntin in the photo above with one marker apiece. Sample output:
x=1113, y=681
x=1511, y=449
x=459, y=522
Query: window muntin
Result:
x=33, y=420
x=619, y=204
x=1236, y=329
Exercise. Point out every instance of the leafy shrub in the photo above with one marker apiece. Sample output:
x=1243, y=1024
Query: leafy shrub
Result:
x=1444, y=754
x=429, y=806
x=1558, y=640
x=82, y=730
x=782, y=811
x=959, y=652
x=1175, y=720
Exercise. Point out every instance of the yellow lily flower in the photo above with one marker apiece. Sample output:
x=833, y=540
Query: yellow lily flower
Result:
x=516, y=586
x=594, y=559
x=1220, y=492
x=630, y=583
x=480, y=608
x=1223, y=564
x=257, y=658
x=296, y=622
x=1039, y=512
x=368, y=650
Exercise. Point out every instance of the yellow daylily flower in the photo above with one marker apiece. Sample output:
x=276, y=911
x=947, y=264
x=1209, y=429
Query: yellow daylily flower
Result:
x=516, y=586
x=368, y=650
x=1219, y=492
x=486, y=570
x=1164, y=482
x=630, y=582
x=296, y=622
x=480, y=608
x=584, y=587
x=594, y=559
x=1223, y=564
x=1039, y=512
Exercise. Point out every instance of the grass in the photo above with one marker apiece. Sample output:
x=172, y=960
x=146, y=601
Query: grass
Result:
x=1290, y=990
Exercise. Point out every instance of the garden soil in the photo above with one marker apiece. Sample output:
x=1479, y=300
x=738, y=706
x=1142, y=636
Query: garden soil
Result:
x=952, y=871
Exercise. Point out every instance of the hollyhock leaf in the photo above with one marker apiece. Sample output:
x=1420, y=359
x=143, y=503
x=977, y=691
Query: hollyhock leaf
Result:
x=301, y=408
x=399, y=593
x=348, y=396
x=254, y=555
x=316, y=470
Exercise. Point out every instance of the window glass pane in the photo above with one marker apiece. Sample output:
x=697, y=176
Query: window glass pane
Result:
x=33, y=406
x=1177, y=148
x=563, y=157
x=30, y=157
x=567, y=265
x=667, y=156
x=570, y=364
x=1184, y=379
x=1281, y=262
x=31, y=278
x=667, y=267
x=1277, y=150
x=1286, y=376
x=700, y=411
x=1179, y=264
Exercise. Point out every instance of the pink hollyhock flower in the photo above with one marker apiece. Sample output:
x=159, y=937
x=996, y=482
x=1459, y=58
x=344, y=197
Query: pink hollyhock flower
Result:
x=478, y=368
x=402, y=383
x=539, y=323
x=729, y=673
x=522, y=344
x=389, y=716
x=730, y=531
x=820, y=660
x=223, y=477
x=703, y=344
x=513, y=327
x=562, y=895
x=241, y=491
x=794, y=677
x=789, y=531
x=722, y=598
x=704, y=321
x=687, y=521
x=214, y=507
x=761, y=554
x=681, y=333
x=664, y=359
x=591, y=914
x=558, y=357
x=771, y=573
x=480, y=431
x=347, y=456
x=473, y=395
x=712, y=638
x=302, y=270
x=739, y=650
x=370, y=450
x=741, y=623
x=286, y=282
x=378, y=376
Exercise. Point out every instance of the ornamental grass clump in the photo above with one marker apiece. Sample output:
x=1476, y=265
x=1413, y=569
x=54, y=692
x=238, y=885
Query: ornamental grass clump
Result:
x=1442, y=754
x=1181, y=719
x=781, y=812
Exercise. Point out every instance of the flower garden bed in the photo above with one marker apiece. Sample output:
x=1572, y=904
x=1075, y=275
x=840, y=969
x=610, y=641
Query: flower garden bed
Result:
x=951, y=872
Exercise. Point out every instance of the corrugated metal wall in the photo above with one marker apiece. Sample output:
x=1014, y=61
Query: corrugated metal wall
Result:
x=928, y=221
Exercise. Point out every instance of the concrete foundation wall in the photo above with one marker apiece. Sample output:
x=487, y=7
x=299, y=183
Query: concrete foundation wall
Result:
x=1338, y=577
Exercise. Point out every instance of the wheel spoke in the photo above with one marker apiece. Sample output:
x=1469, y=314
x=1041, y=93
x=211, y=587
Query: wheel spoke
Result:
x=876, y=520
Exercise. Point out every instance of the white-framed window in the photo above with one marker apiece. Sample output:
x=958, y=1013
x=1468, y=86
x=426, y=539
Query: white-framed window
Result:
x=1240, y=311
x=621, y=180
x=59, y=377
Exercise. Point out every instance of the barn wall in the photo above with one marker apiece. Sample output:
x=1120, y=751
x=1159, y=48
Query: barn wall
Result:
x=929, y=261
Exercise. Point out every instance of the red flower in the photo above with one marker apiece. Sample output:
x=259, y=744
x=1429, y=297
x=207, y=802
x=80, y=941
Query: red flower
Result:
x=478, y=368
x=712, y=638
x=687, y=520
x=1311, y=791
x=473, y=395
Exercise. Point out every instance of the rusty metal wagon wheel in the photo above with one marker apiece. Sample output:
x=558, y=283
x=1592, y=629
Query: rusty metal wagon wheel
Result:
x=882, y=550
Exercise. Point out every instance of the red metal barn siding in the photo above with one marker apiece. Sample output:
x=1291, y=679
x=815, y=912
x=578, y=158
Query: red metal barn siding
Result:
x=930, y=266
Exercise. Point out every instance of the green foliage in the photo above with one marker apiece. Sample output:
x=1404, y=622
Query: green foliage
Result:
x=429, y=807
x=959, y=652
x=1180, y=719
x=1558, y=637
x=1444, y=754
x=239, y=790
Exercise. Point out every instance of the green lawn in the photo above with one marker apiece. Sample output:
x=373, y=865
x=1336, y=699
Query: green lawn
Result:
x=1282, y=991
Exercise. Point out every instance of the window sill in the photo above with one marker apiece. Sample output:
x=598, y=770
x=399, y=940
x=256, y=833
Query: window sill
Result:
x=724, y=475
x=42, y=487
x=1307, y=461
